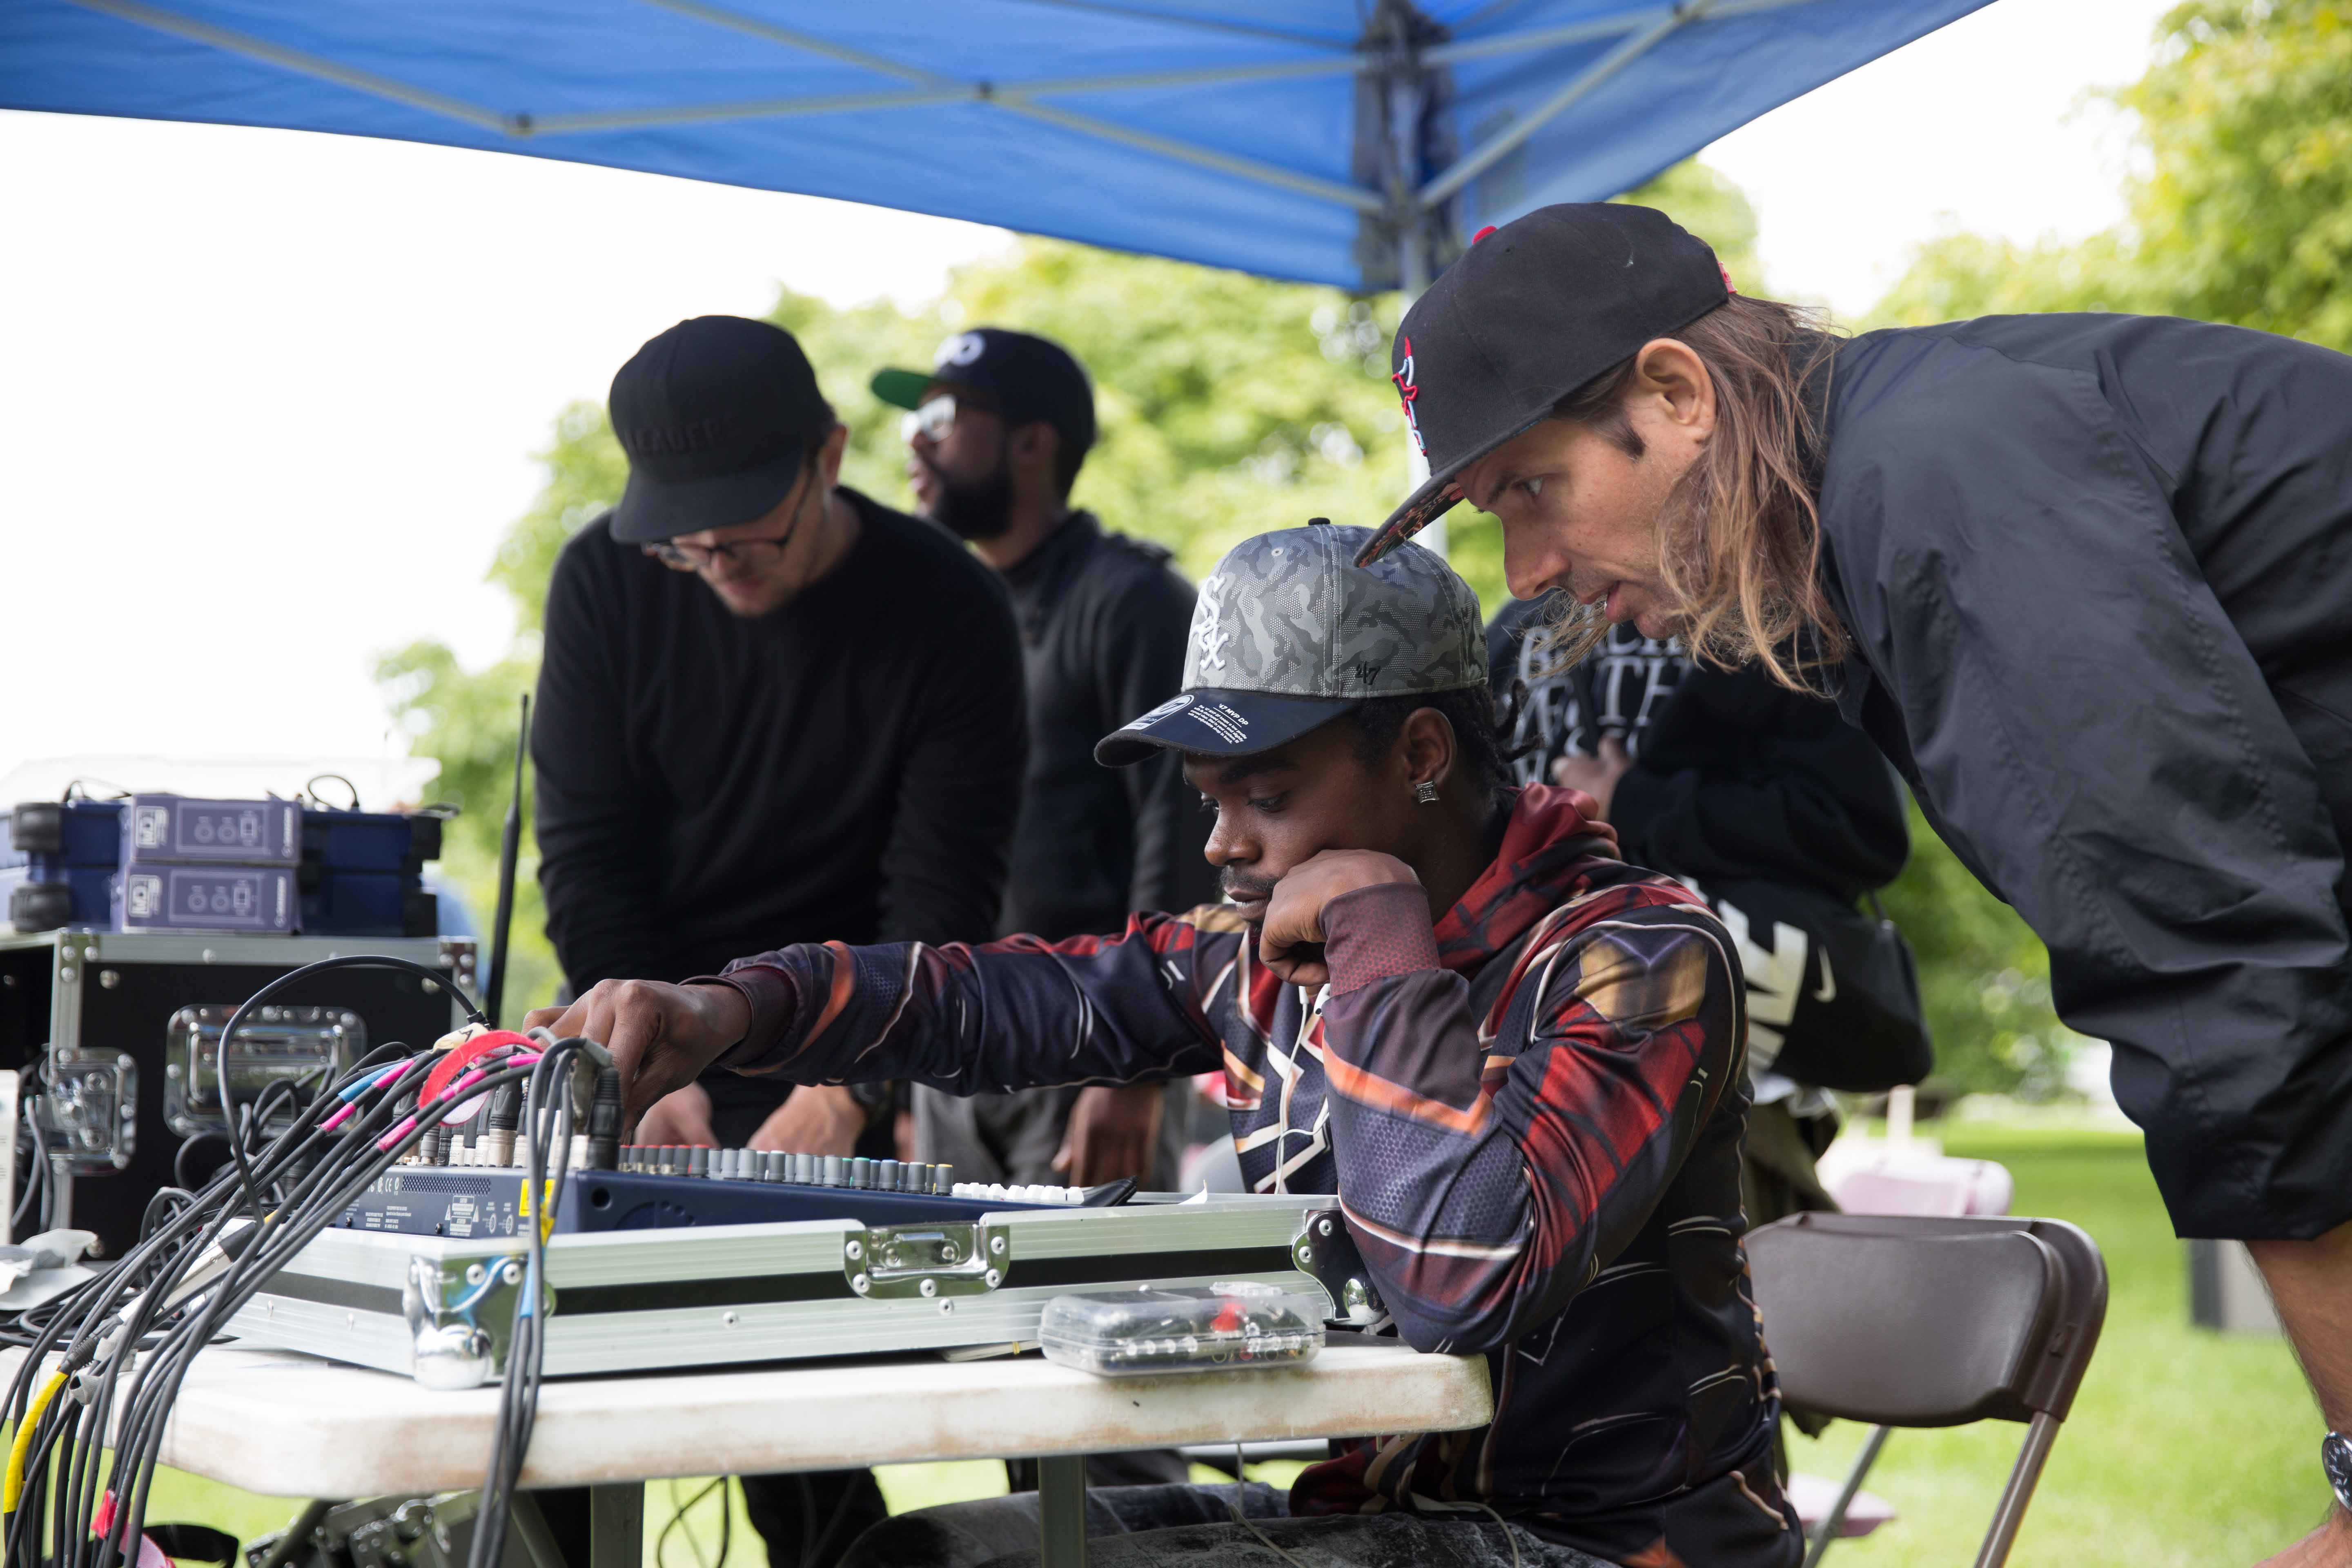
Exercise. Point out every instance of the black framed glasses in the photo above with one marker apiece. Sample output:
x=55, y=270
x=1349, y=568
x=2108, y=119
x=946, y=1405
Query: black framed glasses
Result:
x=757, y=552
x=754, y=553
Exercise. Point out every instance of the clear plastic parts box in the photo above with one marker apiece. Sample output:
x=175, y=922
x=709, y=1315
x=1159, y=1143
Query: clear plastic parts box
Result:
x=1188, y=1328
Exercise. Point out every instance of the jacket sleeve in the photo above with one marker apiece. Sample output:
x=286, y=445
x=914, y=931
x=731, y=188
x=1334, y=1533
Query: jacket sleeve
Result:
x=1140, y=658
x=593, y=810
x=943, y=870
x=2086, y=720
x=1794, y=794
x=1015, y=1014
x=1487, y=1181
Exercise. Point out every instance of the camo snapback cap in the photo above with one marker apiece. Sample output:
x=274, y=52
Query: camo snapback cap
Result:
x=1289, y=633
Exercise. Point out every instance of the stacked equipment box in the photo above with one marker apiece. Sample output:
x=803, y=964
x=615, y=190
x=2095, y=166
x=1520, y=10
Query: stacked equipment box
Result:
x=263, y=868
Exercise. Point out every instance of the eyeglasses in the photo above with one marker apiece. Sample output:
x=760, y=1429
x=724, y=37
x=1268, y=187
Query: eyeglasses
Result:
x=753, y=553
x=757, y=553
x=933, y=419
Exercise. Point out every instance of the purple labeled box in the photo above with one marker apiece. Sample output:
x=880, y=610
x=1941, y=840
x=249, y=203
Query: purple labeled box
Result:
x=206, y=898
x=178, y=830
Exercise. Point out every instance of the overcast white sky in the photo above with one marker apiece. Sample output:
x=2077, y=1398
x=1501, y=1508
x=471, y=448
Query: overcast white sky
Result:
x=268, y=400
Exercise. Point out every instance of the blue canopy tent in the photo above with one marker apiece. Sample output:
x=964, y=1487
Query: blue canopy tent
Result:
x=1357, y=143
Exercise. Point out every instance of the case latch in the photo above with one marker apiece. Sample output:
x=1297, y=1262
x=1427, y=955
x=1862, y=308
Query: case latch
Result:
x=1324, y=1249
x=889, y=1262
x=460, y=1317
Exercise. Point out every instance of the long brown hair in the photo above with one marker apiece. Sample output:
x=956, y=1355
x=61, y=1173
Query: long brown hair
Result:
x=1740, y=548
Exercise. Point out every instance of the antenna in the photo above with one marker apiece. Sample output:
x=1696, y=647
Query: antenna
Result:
x=510, y=850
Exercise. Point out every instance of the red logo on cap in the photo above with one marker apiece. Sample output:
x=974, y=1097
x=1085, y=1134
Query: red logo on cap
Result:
x=1407, y=391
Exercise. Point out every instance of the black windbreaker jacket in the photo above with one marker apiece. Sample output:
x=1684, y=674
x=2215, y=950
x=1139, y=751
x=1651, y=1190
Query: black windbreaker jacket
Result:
x=2099, y=575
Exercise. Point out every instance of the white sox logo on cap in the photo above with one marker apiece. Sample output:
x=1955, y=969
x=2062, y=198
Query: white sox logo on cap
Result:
x=1407, y=391
x=961, y=349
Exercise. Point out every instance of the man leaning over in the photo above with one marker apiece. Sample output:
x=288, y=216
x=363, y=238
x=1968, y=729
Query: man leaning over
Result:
x=2086, y=580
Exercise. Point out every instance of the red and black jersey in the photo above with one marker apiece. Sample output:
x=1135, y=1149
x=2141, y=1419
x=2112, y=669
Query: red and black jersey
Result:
x=1529, y=1110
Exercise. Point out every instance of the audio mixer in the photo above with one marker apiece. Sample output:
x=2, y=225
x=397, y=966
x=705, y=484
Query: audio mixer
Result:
x=657, y=1189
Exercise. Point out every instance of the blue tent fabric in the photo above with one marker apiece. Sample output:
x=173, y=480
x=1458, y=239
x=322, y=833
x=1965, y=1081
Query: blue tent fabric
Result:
x=1357, y=143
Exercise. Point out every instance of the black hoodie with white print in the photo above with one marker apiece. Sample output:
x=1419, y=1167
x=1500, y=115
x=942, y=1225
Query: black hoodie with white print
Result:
x=1734, y=778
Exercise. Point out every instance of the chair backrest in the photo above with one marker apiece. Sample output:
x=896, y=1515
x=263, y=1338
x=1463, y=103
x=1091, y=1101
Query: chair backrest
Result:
x=1913, y=1321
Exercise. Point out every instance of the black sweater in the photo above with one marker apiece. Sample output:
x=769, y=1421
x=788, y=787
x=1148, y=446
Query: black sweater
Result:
x=1735, y=777
x=1103, y=622
x=844, y=768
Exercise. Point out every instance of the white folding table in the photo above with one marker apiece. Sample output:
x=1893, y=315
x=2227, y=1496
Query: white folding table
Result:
x=292, y=1426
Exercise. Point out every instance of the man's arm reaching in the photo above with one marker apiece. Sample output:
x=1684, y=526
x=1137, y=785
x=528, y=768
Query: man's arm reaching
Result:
x=1013, y=1014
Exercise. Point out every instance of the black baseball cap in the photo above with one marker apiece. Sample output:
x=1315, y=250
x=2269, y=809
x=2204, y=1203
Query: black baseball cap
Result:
x=717, y=416
x=1023, y=377
x=1530, y=313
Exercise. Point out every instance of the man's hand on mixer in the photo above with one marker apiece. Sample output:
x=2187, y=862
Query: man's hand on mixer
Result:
x=816, y=1119
x=661, y=1037
x=681, y=1119
x=1113, y=1132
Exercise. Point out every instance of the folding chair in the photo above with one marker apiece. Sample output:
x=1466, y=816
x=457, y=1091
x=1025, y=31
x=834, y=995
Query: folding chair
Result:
x=1907, y=1322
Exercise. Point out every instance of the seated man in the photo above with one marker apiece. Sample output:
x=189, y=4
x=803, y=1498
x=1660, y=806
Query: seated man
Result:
x=1516, y=1060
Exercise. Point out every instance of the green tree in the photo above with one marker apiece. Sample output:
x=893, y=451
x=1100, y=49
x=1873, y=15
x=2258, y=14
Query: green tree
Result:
x=2242, y=211
x=1229, y=404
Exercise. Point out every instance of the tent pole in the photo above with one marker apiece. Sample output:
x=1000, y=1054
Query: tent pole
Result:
x=1406, y=102
x=1415, y=270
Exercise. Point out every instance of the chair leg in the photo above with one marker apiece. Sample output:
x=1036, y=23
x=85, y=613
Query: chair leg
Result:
x=1826, y=1532
x=2011, y=1511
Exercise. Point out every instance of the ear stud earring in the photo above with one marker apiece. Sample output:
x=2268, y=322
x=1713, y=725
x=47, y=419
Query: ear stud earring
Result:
x=1426, y=791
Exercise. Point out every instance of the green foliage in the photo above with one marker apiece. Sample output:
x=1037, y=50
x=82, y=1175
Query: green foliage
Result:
x=2246, y=213
x=1984, y=978
x=2243, y=212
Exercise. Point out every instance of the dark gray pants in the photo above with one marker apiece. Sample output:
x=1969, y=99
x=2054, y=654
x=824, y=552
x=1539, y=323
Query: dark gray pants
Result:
x=1163, y=1527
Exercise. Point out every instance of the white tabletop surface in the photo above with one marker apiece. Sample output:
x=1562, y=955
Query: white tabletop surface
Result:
x=293, y=1425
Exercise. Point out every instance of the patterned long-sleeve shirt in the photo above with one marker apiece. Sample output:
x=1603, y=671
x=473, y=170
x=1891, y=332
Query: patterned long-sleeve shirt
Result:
x=1530, y=1113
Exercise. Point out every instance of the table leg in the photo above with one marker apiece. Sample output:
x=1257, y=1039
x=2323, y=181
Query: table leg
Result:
x=616, y=1525
x=1062, y=1512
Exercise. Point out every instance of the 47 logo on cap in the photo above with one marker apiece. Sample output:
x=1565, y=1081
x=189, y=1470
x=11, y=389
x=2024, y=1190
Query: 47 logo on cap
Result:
x=1407, y=392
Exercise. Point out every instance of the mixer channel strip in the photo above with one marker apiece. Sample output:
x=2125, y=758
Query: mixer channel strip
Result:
x=851, y=1172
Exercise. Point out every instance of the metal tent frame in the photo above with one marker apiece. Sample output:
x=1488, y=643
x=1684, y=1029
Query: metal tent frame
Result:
x=1400, y=62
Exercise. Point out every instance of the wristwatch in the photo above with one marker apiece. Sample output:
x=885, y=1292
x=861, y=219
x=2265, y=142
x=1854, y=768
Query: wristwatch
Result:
x=2335, y=1458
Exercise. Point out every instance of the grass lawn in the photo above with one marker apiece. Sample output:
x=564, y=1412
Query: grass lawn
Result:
x=2185, y=1447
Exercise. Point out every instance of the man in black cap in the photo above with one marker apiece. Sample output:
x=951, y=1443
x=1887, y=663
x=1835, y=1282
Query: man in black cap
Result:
x=996, y=432
x=2087, y=582
x=769, y=711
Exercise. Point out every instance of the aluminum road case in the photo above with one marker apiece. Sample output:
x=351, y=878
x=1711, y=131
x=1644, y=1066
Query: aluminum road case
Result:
x=641, y=1299
x=122, y=1030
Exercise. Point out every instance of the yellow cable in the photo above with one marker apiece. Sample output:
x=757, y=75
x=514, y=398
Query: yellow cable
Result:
x=13, y=1487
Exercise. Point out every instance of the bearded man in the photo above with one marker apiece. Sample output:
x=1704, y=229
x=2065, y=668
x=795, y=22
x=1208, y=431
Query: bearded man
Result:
x=2085, y=580
x=997, y=432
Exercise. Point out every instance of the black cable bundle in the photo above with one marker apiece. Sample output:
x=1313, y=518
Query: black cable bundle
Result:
x=127, y=1337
